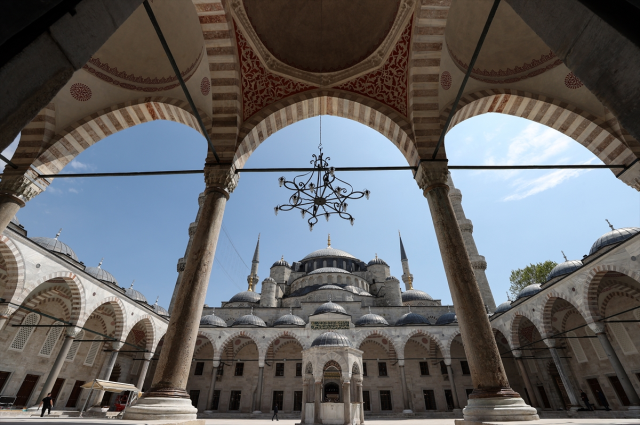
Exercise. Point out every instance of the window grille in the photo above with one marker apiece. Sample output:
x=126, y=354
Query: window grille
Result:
x=71, y=355
x=623, y=339
x=595, y=343
x=50, y=341
x=24, y=333
x=577, y=347
x=93, y=351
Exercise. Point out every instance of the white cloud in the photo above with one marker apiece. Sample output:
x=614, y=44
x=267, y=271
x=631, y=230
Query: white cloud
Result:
x=77, y=165
x=73, y=190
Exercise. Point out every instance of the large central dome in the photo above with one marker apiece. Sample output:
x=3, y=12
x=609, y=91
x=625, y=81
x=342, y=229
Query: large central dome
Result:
x=329, y=252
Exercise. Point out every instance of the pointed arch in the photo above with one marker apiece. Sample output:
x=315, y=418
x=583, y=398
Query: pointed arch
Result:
x=516, y=321
x=148, y=323
x=594, y=277
x=51, y=294
x=229, y=340
x=547, y=310
x=120, y=318
x=13, y=269
x=421, y=332
x=362, y=337
x=290, y=334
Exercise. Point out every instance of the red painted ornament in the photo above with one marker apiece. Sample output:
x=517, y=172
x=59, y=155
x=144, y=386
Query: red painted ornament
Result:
x=80, y=92
x=445, y=80
x=205, y=86
x=572, y=82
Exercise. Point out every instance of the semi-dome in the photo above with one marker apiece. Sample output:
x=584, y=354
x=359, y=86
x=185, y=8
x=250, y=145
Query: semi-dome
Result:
x=289, y=320
x=329, y=287
x=329, y=270
x=505, y=306
x=377, y=261
x=250, y=320
x=564, y=268
x=357, y=291
x=56, y=246
x=415, y=295
x=529, y=291
x=330, y=307
x=329, y=252
x=245, y=297
x=134, y=294
x=371, y=319
x=281, y=262
x=213, y=320
x=412, y=319
x=331, y=339
x=101, y=274
x=613, y=237
x=447, y=318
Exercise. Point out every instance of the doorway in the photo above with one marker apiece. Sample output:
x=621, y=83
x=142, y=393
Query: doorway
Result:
x=75, y=394
x=24, y=393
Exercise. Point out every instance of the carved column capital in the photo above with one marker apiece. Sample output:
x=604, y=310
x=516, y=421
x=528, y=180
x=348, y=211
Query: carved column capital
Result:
x=598, y=327
x=551, y=343
x=432, y=174
x=182, y=263
x=517, y=353
x=192, y=228
x=465, y=225
x=220, y=178
x=21, y=188
x=73, y=331
x=478, y=262
x=6, y=310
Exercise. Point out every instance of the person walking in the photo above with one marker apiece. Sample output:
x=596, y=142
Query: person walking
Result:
x=603, y=400
x=47, y=404
x=275, y=412
x=585, y=399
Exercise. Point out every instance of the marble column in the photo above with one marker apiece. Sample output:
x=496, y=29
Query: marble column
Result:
x=317, y=399
x=71, y=334
x=599, y=329
x=492, y=397
x=6, y=310
x=346, y=401
x=305, y=395
x=454, y=391
x=146, y=360
x=361, y=400
x=212, y=388
x=106, y=374
x=168, y=398
x=405, y=395
x=525, y=377
x=564, y=376
x=257, y=408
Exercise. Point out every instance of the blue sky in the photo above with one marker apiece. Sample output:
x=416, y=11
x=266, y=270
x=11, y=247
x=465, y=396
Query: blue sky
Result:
x=140, y=224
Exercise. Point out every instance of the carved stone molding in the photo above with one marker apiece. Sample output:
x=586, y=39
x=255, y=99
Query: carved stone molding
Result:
x=456, y=195
x=24, y=186
x=465, y=225
x=598, y=327
x=432, y=173
x=6, y=310
x=479, y=263
x=221, y=177
x=192, y=228
x=73, y=331
x=181, y=265
x=377, y=58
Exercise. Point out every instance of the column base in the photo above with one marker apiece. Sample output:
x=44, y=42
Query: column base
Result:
x=407, y=412
x=256, y=412
x=160, y=408
x=498, y=409
x=633, y=412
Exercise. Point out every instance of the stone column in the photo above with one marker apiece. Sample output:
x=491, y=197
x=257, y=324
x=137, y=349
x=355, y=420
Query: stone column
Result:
x=212, y=388
x=317, y=402
x=6, y=310
x=492, y=397
x=599, y=329
x=257, y=408
x=143, y=371
x=564, y=376
x=346, y=401
x=168, y=398
x=405, y=395
x=106, y=374
x=305, y=394
x=525, y=376
x=454, y=391
x=361, y=400
x=59, y=362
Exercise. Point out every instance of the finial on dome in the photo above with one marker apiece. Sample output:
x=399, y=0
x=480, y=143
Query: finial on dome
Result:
x=508, y=297
x=58, y=234
x=291, y=311
x=100, y=263
x=565, y=257
x=409, y=308
x=369, y=309
x=329, y=241
x=132, y=284
x=157, y=298
x=610, y=225
x=376, y=255
x=214, y=311
x=252, y=311
x=329, y=297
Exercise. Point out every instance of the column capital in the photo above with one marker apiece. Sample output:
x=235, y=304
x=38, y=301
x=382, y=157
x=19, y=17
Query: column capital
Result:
x=447, y=361
x=73, y=331
x=517, y=354
x=147, y=356
x=182, y=263
x=116, y=345
x=432, y=174
x=6, y=310
x=220, y=178
x=216, y=363
x=192, y=228
x=551, y=343
x=22, y=186
x=598, y=327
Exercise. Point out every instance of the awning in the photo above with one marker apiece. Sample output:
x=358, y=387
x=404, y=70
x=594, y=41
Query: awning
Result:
x=109, y=386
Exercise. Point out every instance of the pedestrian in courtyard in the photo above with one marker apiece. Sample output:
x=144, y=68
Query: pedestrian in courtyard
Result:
x=585, y=398
x=603, y=400
x=275, y=412
x=46, y=403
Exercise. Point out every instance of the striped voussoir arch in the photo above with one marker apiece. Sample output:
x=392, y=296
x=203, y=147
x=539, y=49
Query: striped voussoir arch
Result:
x=547, y=309
x=14, y=268
x=147, y=322
x=281, y=114
x=226, y=94
x=590, y=131
x=424, y=74
x=516, y=321
x=592, y=284
x=54, y=294
x=79, y=136
x=35, y=137
x=120, y=315
x=67, y=278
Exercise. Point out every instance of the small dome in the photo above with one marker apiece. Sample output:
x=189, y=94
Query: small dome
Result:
x=246, y=297
x=564, y=268
x=281, y=262
x=56, y=246
x=330, y=308
x=160, y=310
x=134, y=294
x=249, y=320
x=412, y=319
x=329, y=270
x=101, y=274
x=329, y=287
x=614, y=237
x=391, y=278
x=212, y=320
x=372, y=320
x=505, y=306
x=329, y=252
x=447, y=318
x=331, y=339
x=529, y=291
x=289, y=320
x=377, y=261
x=415, y=295
x=357, y=291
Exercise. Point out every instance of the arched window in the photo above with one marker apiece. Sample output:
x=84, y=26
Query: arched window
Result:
x=93, y=351
x=335, y=263
x=71, y=355
x=52, y=338
x=324, y=263
x=577, y=347
x=24, y=332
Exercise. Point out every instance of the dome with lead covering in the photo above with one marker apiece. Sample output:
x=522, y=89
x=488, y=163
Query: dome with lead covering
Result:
x=329, y=252
x=56, y=246
x=212, y=320
x=447, y=318
x=412, y=319
x=281, y=262
x=245, y=297
x=329, y=270
x=289, y=320
x=249, y=320
x=101, y=274
x=134, y=294
x=331, y=339
x=505, y=306
x=329, y=287
x=529, y=291
x=330, y=307
x=357, y=291
x=564, y=268
x=160, y=310
x=613, y=237
x=415, y=295
x=377, y=261
x=371, y=319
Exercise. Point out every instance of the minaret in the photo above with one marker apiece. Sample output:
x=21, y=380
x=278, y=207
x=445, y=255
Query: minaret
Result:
x=407, y=277
x=252, y=279
x=477, y=261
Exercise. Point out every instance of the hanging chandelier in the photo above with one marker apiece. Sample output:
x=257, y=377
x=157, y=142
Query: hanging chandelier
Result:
x=319, y=193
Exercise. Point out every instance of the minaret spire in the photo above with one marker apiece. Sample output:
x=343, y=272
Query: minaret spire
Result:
x=252, y=279
x=609, y=223
x=407, y=277
x=329, y=241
